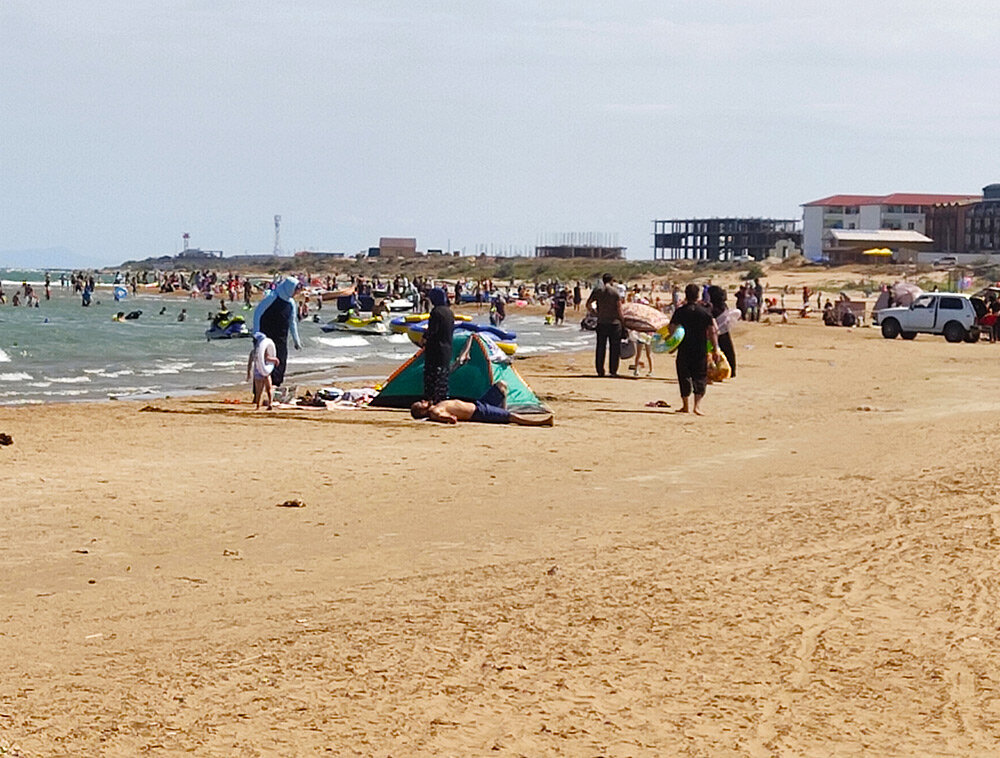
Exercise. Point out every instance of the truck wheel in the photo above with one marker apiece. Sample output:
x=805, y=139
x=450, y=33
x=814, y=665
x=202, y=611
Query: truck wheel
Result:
x=890, y=329
x=908, y=335
x=953, y=331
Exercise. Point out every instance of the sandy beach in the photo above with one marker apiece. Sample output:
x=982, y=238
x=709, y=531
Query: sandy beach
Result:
x=810, y=569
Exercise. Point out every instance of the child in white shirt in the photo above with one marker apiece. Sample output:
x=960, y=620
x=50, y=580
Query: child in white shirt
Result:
x=263, y=358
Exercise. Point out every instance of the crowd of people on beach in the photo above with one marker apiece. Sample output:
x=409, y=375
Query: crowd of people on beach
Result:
x=279, y=303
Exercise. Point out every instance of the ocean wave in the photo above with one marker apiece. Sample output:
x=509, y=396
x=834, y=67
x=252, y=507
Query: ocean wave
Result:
x=4, y=358
x=129, y=391
x=317, y=360
x=15, y=376
x=105, y=374
x=169, y=368
x=68, y=379
x=352, y=341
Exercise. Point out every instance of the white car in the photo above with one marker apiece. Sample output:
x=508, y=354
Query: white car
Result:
x=950, y=314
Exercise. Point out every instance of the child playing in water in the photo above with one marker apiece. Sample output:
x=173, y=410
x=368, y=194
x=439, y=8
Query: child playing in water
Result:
x=263, y=358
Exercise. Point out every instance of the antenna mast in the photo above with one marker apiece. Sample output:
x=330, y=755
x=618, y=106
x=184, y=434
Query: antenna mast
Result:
x=277, y=235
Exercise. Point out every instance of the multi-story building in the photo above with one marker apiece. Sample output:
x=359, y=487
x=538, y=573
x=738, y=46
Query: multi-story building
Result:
x=967, y=226
x=901, y=210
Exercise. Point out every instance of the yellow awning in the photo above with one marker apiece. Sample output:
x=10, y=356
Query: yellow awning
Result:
x=882, y=251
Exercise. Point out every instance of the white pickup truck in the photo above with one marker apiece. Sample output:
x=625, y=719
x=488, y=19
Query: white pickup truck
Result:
x=953, y=315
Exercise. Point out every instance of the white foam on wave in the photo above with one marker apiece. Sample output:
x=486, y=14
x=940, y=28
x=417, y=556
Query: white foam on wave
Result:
x=4, y=358
x=125, y=391
x=105, y=374
x=352, y=341
x=15, y=376
x=398, y=339
x=318, y=360
x=167, y=368
x=40, y=384
x=68, y=379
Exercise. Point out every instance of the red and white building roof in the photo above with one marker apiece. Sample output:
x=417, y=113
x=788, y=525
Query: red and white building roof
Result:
x=896, y=198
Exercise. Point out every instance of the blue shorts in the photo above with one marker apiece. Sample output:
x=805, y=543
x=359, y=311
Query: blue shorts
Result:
x=489, y=409
x=490, y=414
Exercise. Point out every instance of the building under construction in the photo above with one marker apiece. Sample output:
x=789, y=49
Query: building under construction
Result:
x=584, y=245
x=721, y=239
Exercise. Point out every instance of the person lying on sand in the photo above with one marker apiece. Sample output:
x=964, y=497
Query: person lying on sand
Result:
x=489, y=409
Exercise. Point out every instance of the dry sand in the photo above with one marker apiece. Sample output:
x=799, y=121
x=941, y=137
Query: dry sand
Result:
x=811, y=569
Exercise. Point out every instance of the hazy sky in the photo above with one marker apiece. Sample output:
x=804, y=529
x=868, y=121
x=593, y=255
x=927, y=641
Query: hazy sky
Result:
x=125, y=124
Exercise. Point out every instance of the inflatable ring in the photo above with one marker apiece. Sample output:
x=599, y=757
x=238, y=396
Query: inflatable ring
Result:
x=672, y=342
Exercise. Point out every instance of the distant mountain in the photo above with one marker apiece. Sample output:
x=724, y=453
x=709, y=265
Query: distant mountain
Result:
x=50, y=257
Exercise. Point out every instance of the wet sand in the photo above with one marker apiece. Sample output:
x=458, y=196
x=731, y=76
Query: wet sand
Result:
x=810, y=569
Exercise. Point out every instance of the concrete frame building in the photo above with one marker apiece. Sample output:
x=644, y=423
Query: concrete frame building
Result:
x=600, y=252
x=906, y=211
x=720, y=239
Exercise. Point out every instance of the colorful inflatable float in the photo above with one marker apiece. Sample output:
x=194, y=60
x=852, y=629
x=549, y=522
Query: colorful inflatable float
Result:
x=506, y=341
x=400, y=324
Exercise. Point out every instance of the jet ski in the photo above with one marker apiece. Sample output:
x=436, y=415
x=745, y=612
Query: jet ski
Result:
x=226, y=325
x=349, y=322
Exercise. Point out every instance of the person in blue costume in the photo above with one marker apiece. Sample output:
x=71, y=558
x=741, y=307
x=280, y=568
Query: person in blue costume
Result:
x=437, y=347
x=275, y=317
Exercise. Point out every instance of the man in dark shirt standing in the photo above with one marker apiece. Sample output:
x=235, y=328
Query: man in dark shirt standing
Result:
x=692, y=357
x=610, y=324
x=437, y=347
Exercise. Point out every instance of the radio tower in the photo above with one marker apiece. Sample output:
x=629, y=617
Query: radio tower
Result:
x=277, y=235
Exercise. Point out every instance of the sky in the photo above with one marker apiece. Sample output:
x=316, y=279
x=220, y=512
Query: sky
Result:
x=471, y=124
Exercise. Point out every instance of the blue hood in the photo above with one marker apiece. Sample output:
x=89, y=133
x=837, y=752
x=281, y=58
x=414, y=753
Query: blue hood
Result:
x=286, y=288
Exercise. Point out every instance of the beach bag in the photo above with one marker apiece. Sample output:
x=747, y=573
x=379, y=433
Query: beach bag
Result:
x=719, y=369
x=627, y=349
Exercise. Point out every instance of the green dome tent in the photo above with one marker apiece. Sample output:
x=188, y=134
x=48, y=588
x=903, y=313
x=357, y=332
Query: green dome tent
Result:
x=472, y=373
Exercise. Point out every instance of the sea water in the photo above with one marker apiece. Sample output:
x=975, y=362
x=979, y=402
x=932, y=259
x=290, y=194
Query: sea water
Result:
x=62, y=351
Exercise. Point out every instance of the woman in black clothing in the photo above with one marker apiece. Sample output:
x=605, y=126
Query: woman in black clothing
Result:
x=717, y=300
x=437, y=347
